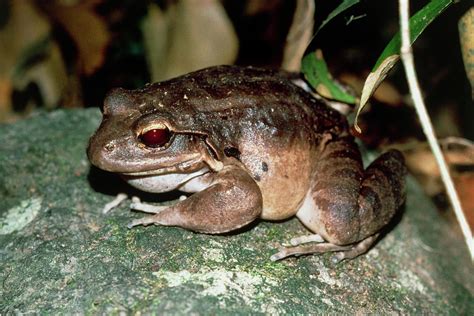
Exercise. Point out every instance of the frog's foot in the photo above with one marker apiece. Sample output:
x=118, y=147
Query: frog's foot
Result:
x=146, y=208
x=114, y=203
x=342, y=252
x=306, y=250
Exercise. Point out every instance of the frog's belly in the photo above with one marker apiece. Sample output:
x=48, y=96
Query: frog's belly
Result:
x=283, y=178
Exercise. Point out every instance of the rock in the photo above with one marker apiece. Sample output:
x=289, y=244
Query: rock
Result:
x=61, y=255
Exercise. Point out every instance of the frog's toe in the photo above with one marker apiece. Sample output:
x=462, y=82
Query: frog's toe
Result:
x=306, y=239
x=306, y=250
x=356, y=249
x=147, y=208
x=338, y=257
x=279, y=255
x=145, y=221
x=114, y=203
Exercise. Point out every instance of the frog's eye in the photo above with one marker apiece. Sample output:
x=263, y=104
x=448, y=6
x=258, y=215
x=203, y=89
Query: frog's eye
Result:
x=155, y=137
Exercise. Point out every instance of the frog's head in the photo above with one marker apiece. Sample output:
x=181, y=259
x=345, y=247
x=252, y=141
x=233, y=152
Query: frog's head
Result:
x=138, y=138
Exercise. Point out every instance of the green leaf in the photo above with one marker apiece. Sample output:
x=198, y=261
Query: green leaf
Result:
x=315, y=69
x=346, y=4
x=391, y=54
x=316, y=73
x=418, y=24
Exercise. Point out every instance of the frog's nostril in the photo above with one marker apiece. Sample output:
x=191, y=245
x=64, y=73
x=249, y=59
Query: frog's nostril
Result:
x=109, y=147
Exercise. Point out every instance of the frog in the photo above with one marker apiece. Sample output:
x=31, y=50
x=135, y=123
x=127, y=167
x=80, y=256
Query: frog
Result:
x=248, y=144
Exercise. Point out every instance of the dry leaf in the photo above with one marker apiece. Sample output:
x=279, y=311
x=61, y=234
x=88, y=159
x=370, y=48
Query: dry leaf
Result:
x=5, y=100
x=188, y=36
x=29, y=55
x=465, y=189
x=156, y=41
x=466, y=37
x=421, y=162
x=254, y=7
x=50, y=75
x=386, y=93
x=458, y=153
x=88, y=31
x=373, y=81
x=299, y=35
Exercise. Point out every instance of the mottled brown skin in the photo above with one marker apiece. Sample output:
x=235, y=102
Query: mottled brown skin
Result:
x=254, y=145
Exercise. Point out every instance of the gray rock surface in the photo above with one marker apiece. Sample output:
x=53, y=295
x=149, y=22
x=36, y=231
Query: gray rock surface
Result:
x=60, y=254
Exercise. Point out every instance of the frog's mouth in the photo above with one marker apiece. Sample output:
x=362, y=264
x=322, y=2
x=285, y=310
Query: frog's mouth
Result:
x=184, y=167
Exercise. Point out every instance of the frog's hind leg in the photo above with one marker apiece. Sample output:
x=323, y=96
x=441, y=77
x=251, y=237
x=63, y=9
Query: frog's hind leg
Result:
x=348, y=206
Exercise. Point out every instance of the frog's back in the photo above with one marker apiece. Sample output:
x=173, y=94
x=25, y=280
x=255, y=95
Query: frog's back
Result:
x=256, y=93
x=257, y=116
x=273, y=126
x=227, y=102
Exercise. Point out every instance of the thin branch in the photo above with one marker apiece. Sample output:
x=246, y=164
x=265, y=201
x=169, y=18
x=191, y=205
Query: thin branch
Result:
x=407, y=59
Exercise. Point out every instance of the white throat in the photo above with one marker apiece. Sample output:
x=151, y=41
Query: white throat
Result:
x=187, y=182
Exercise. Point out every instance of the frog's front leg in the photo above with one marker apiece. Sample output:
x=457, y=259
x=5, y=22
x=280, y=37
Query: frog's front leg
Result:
x=231, y=201
x=346, y=205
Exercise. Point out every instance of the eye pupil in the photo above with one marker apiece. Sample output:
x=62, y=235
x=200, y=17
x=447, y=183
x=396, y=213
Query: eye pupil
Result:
x=156, y=137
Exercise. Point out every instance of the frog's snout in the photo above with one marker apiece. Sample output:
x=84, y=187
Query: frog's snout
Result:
x=99, y=152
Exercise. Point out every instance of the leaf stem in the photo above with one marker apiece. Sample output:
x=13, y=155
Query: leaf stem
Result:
x=407, y=59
